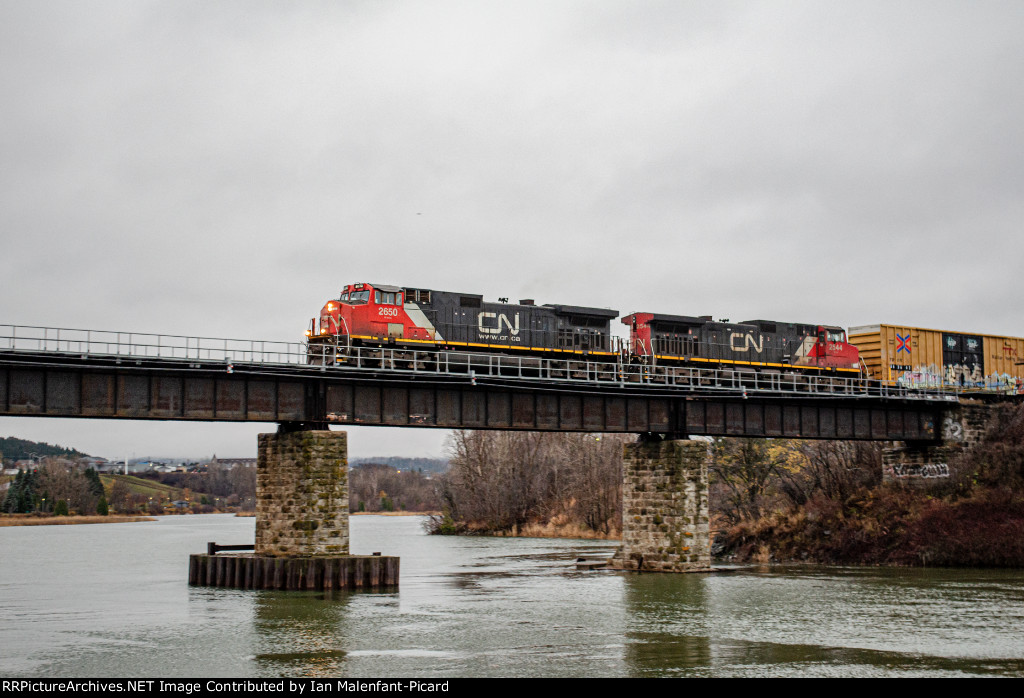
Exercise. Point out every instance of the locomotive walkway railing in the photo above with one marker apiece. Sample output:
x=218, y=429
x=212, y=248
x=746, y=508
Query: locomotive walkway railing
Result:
x=36, y=343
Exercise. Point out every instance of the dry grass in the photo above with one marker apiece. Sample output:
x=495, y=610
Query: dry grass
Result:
x=394, y=513
x=28, y=520
x=565, y=530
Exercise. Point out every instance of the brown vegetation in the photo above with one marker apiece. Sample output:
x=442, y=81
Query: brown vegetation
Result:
x=41, y=520
x=378, y=488
x=829, y=506
x=527, y=483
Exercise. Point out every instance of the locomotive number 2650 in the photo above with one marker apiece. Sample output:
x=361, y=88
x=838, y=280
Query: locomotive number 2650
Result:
x=387, y=311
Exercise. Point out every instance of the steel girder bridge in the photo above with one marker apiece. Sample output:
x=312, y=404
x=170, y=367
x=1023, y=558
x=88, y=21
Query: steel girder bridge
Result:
x=51, y=372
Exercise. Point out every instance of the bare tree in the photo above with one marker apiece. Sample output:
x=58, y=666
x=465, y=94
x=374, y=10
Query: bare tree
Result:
x=501, y=481
x=833, y=469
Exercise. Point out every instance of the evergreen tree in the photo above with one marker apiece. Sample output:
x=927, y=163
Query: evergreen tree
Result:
x=95, y=485
x=27, y=499
x=13, y=496
x=61, y=508
x=21, y=496
x=102, y=509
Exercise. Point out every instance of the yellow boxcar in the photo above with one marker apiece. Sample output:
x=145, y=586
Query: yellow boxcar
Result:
x=918, y=357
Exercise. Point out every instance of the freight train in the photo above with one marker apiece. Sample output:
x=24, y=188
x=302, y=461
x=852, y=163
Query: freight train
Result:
x=409, y=319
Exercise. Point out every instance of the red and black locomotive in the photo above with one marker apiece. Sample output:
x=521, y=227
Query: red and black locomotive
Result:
x=375, y=315
x=680, y=339
x=398, y=317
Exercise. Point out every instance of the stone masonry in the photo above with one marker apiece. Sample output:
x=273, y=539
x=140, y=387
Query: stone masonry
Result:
x=302, y=494
x=665, y=507
x=927, y=464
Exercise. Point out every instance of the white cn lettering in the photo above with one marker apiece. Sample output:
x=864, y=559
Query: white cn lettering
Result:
x=502, y=320
x=747, y=342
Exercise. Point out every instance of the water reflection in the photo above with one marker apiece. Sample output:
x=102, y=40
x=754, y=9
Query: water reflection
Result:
x=301, y=634
x=667, y=623
x=112, y=600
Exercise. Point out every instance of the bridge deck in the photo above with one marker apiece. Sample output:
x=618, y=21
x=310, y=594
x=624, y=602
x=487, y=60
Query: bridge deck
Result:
x=65, y=373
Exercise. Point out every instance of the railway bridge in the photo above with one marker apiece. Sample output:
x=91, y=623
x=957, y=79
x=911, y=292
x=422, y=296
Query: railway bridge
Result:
x=302, y=500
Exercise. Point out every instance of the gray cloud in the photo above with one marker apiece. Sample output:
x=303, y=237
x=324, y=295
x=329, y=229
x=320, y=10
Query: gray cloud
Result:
x=223, y=169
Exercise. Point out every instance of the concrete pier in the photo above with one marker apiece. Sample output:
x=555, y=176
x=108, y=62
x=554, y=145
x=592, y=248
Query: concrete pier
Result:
x=665, y=524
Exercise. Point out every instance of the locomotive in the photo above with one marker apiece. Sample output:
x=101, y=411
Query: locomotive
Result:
x=680, y=340
x=406, y=319
x=377, y=315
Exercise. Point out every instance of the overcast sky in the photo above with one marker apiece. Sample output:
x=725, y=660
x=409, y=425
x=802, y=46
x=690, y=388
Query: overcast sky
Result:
x=223, y=168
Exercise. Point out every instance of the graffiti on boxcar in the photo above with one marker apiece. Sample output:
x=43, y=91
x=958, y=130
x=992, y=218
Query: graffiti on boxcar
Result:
x=961, y=374
x=1004, y=382
x=927, y=376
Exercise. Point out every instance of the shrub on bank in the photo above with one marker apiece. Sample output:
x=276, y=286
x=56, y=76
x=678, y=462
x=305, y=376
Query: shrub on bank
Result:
x=889, y=526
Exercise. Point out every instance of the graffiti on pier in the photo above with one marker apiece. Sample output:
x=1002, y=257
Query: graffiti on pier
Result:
x=952, y=429
x=926, y=471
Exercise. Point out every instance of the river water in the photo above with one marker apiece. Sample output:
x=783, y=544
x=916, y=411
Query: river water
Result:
x=112, y=600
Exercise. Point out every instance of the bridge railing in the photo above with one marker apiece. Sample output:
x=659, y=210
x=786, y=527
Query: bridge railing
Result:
x=475, y=366
x=138, y=345
x=466, y=365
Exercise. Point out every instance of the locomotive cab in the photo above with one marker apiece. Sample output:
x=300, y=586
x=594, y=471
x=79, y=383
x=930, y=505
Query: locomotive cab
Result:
x=833, y=351
x=366, y=315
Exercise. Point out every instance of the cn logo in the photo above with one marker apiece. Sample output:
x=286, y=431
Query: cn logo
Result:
x=502, y=320
x=746, y=342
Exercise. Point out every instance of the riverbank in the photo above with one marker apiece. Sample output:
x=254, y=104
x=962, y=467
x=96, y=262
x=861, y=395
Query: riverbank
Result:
x=887, y=526
x=394, y=513
x=30, y=520
x=445, y=526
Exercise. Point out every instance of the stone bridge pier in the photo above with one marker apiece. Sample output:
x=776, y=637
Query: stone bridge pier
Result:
x=302, y=522
x=665, y=518
x=926, y=463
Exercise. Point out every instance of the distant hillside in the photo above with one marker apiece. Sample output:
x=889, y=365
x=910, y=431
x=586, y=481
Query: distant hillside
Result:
x=427, y=465
x=13, y=448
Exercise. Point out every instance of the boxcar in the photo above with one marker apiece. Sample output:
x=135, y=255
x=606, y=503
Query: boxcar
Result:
x=919, y=357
